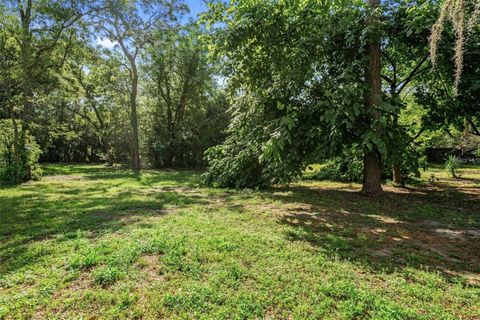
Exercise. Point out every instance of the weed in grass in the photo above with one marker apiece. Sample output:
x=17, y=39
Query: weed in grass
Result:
x=107, y=275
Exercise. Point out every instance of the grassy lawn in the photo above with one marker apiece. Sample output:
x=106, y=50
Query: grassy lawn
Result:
x=89, y=242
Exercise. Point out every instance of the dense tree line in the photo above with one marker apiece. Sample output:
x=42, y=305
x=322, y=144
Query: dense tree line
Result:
x=350, y=82
x=72, y=100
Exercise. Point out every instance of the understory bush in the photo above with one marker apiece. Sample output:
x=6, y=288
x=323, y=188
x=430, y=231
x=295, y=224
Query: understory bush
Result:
x=233, y=165
x=349, y=166
x=477, y=152
x=9, y=171
x=185, y=148
x=346, y=168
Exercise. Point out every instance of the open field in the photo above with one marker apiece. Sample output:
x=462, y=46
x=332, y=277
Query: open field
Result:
x=90, y=242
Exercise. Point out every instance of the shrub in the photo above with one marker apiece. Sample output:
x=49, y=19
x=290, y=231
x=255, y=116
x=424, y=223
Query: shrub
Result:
x=349, y=166
x=345, y=168
x=451, y=165
x=8, y=174
x=342, y=170
x=477, y=152
x=234, y=165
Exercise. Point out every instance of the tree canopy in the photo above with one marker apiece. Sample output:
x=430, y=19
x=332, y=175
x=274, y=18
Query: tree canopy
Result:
x=256, y=91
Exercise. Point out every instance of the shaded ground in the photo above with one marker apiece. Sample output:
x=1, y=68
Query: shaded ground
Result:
x=418, y=228
x=93, y=242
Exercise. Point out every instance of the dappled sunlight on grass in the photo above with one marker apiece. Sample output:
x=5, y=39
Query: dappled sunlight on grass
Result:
x=100, y=242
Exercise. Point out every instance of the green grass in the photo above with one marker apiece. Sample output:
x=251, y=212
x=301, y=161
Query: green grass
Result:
x=91, y=242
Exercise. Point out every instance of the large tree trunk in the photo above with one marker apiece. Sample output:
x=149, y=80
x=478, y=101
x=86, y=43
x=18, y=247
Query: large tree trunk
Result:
x=372, y=171
x=136, y=165
x=372, y=174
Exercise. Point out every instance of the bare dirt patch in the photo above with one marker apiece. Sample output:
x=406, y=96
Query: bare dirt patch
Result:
x=150, y=268
x=450, y=232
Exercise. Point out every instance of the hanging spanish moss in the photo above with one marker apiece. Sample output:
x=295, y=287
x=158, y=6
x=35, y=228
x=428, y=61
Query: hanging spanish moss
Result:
x=463, y=24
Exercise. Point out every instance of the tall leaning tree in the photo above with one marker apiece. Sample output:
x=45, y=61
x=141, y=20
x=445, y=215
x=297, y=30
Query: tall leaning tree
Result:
x=372, y=170
x=129, y=23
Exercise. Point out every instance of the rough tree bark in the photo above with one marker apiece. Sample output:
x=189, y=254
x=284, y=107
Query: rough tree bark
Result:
x=372, y=171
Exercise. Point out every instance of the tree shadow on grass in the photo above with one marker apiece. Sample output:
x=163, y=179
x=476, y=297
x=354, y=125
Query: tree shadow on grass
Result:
x=40, y=214
x=417, y=228
x=438, y=230
x=145, y=177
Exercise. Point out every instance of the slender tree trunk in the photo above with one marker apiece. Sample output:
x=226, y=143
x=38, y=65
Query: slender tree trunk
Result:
x=169, y=156
x=26, y=120
x=171, y=133
x=398, y=180
x=16, y=146
x=136, y=165
x=397, y=175
x=171, y=148
x=26, y=66
x=372, y=171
